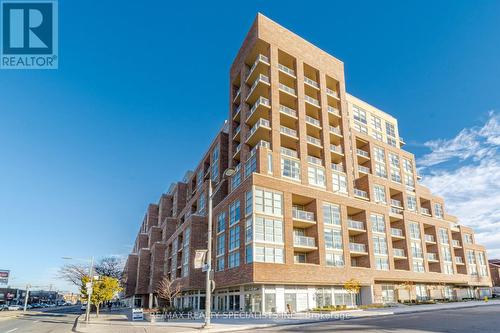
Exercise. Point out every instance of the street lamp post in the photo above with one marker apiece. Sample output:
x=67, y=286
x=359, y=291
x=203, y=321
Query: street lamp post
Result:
x=208, y=291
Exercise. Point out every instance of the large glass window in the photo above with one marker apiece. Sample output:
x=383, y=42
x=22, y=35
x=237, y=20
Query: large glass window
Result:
x=331, y=214
x=339, y=182
x=221, y=244
x=249, y=229
x=215, y=163
x=221, y=222
x=250, y=165
x=414, y=230
x=359, y=114
x=233, y=259
x=443, y=236
x=234, y=212
x=268, y=202
x=268, y=230
x=379, y=191
x=333, y=239
x=316, y=176
x=418, y=266
x=290, y=168
x=268, y=254
x=411, y=202
x=248, y=203
x=438, y=210
x=234, y=238
x=378, y=222
x=382, y=263
x=334, y=259
x=416, y=249
x=380, y=170
x=379, y=244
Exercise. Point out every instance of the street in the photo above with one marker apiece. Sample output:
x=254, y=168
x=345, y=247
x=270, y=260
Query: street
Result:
x=57, y=320
x=467, y=320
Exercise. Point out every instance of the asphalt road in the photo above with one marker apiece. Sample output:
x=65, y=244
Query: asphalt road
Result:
x=57, y=320
x=483, y=319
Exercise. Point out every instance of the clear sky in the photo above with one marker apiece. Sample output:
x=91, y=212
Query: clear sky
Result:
x=142, y=87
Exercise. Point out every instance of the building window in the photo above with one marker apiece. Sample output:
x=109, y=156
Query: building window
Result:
x=250, y=165
x=394, y=160
x=220, y=264
x=471, y=259
x=443, y=236
x=333, y=239
x=236, y=179
x=268, y=230
x=382, y=263
x=361, y=128
x=421, y=292
x=416, y=250
x=221, y=244
x=234, y=238
x=390, y=129
x=215, y=163
x=391, y=141
x=411, y=202
x=468, y=239
x=438, y=210
x=414, y=230
x=378, y=223
x=268, y=202
x=379, y=192
x=331, y=214
x=249, y=253
x=248, y=203
x=409, y=181
x=448, y=269
x=270, y=163
x=376, y=123
x=316, y=176
x=290, y=168
x=299, y=258
x=379, y=244
x=339, y=183
x=334, y=259
x=377, y=135
x=359, y=114
x=268, y=254
x=248, y=229
x=234, y=212
x=446, y=253
x=379, y=154
x=483, y=269
x=201, y=203
x=418, y=266
x=233, y=259
x=221, y=222
x=380, y=170
x=199, y=178
x=395, y=175
x=407, y=166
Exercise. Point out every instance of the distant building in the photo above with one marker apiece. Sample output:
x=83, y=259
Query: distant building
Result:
x=11, y=295
x=495, y=272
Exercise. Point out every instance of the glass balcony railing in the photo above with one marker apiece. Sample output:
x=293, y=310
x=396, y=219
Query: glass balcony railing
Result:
x=311, y=100
x=289, y=152
x=360, y=193
x=260, y=78
x=332, y=92
x=355, y=224
x=287, y=89
x=288, y=111
x=425, y=211
x=432, y=256
x=302, y=215
x=459, y=260
x=261, y=123
x=237, y=94
x=304, y=241
x=336, y=149
x=313, y=121
x=357, y=247
x=337, y=167
x=287, y=70
x=237, y=130
x=238, y=148
x=363, y=169
x=335, y=130
x=314, y=160
x=311, y=82
x=333, y=110
x=396, y=203
x=260, y=101
x=313, y=140
x=260, y=58
x=288, y=131
x=397, y=211
x=429, y=238
x=261, y=143
x=362, y=153
x=237, y=111
x=396, y=232
x=455, y=243
x=399, y=253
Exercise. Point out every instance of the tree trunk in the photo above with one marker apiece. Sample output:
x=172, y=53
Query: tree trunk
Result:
x=97, y=310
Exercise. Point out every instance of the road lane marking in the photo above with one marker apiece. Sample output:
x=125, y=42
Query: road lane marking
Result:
x=12, y=330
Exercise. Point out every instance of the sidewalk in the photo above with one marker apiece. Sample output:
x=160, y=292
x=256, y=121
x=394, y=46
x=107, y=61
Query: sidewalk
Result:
x=119, y=322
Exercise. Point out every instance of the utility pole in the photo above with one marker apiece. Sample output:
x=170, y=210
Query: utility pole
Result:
x=208, y=290
x=28, y=286
x=89, y=290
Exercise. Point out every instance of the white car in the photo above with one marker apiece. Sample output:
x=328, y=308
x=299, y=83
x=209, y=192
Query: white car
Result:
x=15, y=307
x=83, y=307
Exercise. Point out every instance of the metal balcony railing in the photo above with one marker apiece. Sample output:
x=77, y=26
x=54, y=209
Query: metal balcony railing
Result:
x=311, y=82
x=336, y=149
x=260, y=58
x=455, y=243
x=432, y=256
x=332, y=92
x=357, y=247
x=302, y=215
x=362, y=152
x=399, y=253
x=287, y=70
x=355, y=224
x=311, y=100
x=288, y=131
x=396, y=203
x=335, y=130
x=314, y=160
x=260, y=78
x=338, y=167
x=287, y=89
x=429, y=238
x=260, y=101
x=425, y=211
x=289, y=152
x=288, y=111
x=313, y=121
x=361, y=193
x=304, y=241
x=333, y=110
x=396, y=232
x=363, y=169
x=313, y=140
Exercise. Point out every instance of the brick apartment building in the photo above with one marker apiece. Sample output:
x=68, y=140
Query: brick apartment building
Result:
x=495, y=272
x=323, y=193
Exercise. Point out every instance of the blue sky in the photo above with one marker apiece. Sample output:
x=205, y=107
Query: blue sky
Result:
x=85, y=148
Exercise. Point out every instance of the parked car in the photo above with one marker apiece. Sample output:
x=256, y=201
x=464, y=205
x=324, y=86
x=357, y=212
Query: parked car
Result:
x=14, y=307
x=4, y=307
x=83, y=307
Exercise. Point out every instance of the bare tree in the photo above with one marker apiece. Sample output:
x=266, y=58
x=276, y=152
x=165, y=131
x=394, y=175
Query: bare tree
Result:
x=110, y=266
x=168, y=289
x=107, y=266
x=73, y=273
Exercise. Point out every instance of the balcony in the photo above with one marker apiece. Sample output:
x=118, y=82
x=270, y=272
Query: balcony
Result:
x=286, y=70
x=260, y=144
x=355, y=227
x=432, y=257
x=304, y=243
x=289, y=152
x=338, y=167
x=425, y=211
x=396, y=212
x=459, y=261
x=357, y=248
x=236, y=135
x=260, y=64
x=397, y=233
x=237, y=95
x=260, y=109
x=312, y=101
x=288, y=111
x=313, y=121
x=399, y=254
x=332, y=93
x=362, y=153
x=287, y=89
x=429, y=238
x=396, y=203
x=336, y=149
x=335, y=130
x=314, y=160
x=361, y=194
x=455, y=243
x=314, y=141
x=333, y=111
x=298, y=214
x=311, y=82
x=257, y=132
x=237, y=113
x=363, y=169
x=237, y=152
x=259, y=88
x=288, y=131
x=401, y=141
